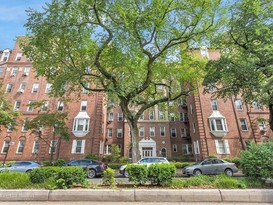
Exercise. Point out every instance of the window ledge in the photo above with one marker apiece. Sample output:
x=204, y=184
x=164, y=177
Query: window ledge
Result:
x=219, y=133
x=80, y=133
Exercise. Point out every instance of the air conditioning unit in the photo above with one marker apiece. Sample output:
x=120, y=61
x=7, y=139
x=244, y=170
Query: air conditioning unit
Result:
x=20, y=90
x=12, y=75
x=263, y=129
x=25, y=74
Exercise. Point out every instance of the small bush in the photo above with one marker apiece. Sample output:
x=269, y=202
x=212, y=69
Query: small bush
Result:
x=14, y=180
x=71, y=175
x=59, y=163
x=41, y=174
x=109, y=178
x=137, y=173
x=236, y=161
x=161, y=174
x=91, y=156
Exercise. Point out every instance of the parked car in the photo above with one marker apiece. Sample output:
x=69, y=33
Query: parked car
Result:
x=94, y=168
x=211, y=166
x=21, y=166
x=145, y=161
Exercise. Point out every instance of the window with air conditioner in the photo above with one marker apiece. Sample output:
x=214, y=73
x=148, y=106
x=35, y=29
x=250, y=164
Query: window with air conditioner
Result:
x=60, y=106
x=22, y=88
x=17, y=105
x=18, y=57
x=26, y=71
x=13, y=71
x=48, y=88
x=35, y=87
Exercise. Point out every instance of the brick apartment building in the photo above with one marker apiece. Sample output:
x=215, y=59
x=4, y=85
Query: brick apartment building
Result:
x=200, y=127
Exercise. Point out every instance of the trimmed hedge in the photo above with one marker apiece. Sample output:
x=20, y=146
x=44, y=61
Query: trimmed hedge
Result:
x=137, y=173
x=161, y=174
x=40, y=175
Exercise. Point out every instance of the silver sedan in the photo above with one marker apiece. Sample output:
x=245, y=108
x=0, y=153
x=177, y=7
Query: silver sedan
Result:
x=211, y=166
x=20, y=166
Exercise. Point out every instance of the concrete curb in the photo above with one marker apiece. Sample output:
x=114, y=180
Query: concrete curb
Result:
x=145, y=195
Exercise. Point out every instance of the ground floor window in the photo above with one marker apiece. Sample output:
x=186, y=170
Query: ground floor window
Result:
x=222, y=147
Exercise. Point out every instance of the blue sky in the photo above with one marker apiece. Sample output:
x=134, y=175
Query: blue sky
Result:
x=13, y=17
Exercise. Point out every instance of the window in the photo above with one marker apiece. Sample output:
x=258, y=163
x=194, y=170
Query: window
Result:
x=174, y=147
x=151, y=115
x=184, y=132
x=172, y=116
x=107, y=149
x=161, y=115
x=5, y=146
x=17, y=105
x=53, y=145
x=60, y=106
x=184, y=116
x=110, y=116
x=214, y=104
x=243, y=124
x=30, y=107
x=44, y=107
x=26, y=71
x=238, y=105
x=8, y=88
x=22, y=88
x=193, y=128
x=119, y=132
x=257, y=105
x=218, y=124
x=84, y=90
x=11, y=127
x=162, y=131
x=83, y=105
x=152, y=131
x=35, y=87
x=81, y=125
x=186, y=149
x=21, y=146
x=13, y=71
x=78, y=146
x=48, y=88
x=23, y=127
x=36, y=147
x=173, y=132
x=141, y=131
x=163, y=152
x=5, y=55
x=204, y=52
x=196, y=147
x=18, y=57
x=120, y=116
x=262, y=125
x=109, y=132
x=222, y=147
x=141, y=116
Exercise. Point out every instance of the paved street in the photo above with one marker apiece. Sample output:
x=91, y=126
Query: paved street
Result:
x=124, y=203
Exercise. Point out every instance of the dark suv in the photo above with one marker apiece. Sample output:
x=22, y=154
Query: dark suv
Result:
x=94, y=168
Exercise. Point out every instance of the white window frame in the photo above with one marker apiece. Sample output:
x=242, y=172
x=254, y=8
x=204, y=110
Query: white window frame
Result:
x=262, y=125
x=53, y=145
x=17, y=105
x=48, y=87
x=243, y=123
x=161, y=115
x=213, y=125
x=174, y=147
x=21, y=145
x=5, y=55
x=13, y=71
x=120, y=116
x=23, y=126
x=76, y=147
x=35, y=88
x=30, y=108
x=26, y=71
x=119, y=132
x=60, y=106
x=151, y=115
x=6, y=145
x=214, y=104
x=222, y=147
x=18, y=57
x=196, y=147
x=110, y=116
x=162, y=131
x=238, y=104
x=86, y=91
x=173, y=132
x=141, y=131
x=187, y=148
x=107, y=149
x=36, y=147
x=83, y=107
x=184, y=132
x=9, y=88
x=152, y=131
x=85, y=125
x=141, y=117
x=44, y=107
x=172, y=117
x=109, y=132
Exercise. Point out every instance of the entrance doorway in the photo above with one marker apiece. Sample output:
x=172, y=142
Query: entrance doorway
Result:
x=147, y=152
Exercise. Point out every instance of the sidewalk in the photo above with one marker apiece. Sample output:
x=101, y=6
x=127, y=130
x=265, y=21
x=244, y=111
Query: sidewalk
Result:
x=144, y=195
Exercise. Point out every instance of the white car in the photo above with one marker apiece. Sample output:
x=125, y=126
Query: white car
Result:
x=145, y=161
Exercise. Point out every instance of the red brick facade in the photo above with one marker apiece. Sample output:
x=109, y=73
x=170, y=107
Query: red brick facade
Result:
x=188, y=134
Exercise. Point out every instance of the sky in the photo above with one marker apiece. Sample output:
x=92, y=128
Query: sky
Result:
x=13, y=17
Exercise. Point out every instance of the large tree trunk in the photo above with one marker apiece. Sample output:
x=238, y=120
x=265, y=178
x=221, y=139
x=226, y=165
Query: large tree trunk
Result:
x=134, y=136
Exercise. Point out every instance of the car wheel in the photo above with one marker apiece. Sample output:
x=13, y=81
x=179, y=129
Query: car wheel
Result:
x=91, y=173
x=197, y=172
x=126, y=174
x=229, y=172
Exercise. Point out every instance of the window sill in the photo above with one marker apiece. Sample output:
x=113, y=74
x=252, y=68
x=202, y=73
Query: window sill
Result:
x=80, y=133
x=219, y=133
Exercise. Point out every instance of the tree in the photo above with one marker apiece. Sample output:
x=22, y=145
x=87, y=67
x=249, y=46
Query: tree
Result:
x=246, y=64
x=7, y=113
x=53, y=120
x=135, y=51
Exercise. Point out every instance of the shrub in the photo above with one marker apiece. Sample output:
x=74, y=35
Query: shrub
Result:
x=257, y=161
x=181, y=165
x=46, y=163
x=59, y=163
x=161, y=174
x=109, y=178
x=67, y=176
x=124, y=160
x=228, y=159
x=137, y=173
x=226, y=182
x=41, y=174
x=14, y=180
x=236, y=161
x=91, y=156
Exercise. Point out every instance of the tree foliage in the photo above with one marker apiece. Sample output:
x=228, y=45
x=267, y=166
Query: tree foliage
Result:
x=134, y=51
x=246, y=64
x=7, y=113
